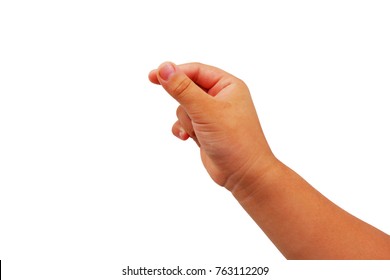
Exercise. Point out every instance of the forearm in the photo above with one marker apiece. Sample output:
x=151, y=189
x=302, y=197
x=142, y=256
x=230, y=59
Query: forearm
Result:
x=303, y=224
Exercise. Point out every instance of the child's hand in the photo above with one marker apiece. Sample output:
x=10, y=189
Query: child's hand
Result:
x=217, y=112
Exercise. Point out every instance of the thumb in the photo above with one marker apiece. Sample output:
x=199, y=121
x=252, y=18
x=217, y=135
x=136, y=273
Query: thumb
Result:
x=182, y=88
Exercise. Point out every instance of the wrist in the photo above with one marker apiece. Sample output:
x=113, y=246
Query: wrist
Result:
x=255, y=178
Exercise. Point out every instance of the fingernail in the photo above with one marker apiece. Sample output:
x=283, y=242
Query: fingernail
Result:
x=183, y=134
x=166, y=71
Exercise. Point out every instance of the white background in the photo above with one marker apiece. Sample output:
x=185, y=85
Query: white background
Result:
x=91, y=178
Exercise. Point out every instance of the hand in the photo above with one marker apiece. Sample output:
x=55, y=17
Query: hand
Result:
x=217, y=112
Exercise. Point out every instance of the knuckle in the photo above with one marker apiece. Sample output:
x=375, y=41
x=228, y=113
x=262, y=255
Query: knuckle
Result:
x=181, y=89
x=179, y=111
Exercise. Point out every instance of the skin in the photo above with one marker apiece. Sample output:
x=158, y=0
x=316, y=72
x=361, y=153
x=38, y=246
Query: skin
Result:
x=216, y=111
